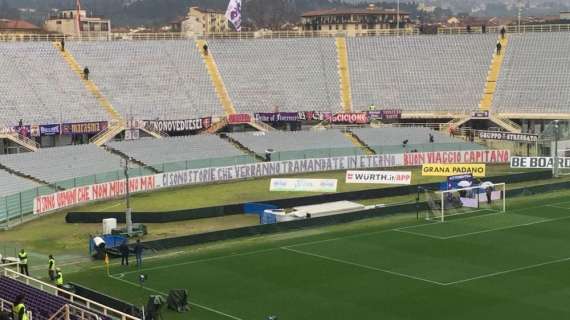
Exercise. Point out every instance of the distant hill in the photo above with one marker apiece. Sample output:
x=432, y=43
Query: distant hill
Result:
x=259, y=13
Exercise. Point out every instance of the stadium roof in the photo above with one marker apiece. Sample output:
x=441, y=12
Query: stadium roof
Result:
x=17, y=25
x=335, y=11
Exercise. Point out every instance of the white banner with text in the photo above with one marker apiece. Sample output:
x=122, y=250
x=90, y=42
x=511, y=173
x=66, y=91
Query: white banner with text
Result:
x=379, y=177
x=114, y=189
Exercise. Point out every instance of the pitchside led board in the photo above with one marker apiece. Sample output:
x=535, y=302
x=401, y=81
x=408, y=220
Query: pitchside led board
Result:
x=446, y=170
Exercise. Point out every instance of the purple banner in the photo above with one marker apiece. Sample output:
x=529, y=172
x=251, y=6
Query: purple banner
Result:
x=49, y=130
x=83, y=127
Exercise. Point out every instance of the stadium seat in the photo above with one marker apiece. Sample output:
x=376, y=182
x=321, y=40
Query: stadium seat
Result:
x=298, y=144
x=38, y=87
x=420, y=73
x=534, y=76
x=290, y=74
x=150, y=79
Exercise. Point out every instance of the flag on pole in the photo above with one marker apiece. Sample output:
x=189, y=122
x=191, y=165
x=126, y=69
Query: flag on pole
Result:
x=78, y=17
x=233, y=13
x=107, y=263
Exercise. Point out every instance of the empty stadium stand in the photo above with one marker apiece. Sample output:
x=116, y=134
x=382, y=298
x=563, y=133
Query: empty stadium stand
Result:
x=534, y=76
x=200, y=150
x=150, y=79
x=291, y=74
x=13, y=184
x=390, y=140
x=39, y=88
x=426, y=74
x=58, y=164
x=298, y=144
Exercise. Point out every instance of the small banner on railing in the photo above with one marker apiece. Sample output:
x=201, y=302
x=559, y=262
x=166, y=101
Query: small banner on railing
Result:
x=186, y=125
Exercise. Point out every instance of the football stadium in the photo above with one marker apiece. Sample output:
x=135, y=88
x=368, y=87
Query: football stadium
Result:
x=314, y=175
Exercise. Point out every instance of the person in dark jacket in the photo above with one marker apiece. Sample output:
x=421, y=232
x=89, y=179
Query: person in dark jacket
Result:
x=62, y=44
x=86, y=73
x=499, y=47
x=503, y=32
x=205, y=47
x=124, y=249
x=138, y=253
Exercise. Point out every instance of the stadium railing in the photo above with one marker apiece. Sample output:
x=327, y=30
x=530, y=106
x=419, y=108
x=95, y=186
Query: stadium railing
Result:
x=105, y=36
x=79, y=301
x=509, y=29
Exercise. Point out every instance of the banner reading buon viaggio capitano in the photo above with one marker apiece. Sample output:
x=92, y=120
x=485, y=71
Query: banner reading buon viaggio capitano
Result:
x=113, y=189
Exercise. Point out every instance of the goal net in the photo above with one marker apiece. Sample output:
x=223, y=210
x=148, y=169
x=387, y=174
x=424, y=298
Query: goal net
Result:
x=484, y=198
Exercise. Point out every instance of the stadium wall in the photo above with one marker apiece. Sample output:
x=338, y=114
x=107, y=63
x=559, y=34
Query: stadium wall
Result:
x=217, y=211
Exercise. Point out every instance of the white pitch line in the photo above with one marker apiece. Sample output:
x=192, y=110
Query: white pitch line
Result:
x=559, y=207
x=363, y=266
x=108, y=207
x=191, y=303
x=504, y=228
x=203, y=260
x=533, y=266
x=419, y=234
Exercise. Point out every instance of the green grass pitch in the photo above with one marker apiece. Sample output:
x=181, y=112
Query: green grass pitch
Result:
x=512, y=265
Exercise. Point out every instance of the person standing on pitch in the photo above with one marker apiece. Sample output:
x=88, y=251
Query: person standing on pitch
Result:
x=138, y=253
x=23, y=257
x=19, y=309
x=124, y=249
x=51, y=267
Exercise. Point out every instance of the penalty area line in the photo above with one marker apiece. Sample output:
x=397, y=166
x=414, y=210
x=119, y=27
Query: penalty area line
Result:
x=201, y=306
x=362, y=266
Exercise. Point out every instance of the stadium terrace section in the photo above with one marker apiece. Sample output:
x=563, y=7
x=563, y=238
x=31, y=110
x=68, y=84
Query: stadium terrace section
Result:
x=38, y=87
x=534, y=77
x=199, y=147
x=288, y=74
x=420, y=73
x=150, y=79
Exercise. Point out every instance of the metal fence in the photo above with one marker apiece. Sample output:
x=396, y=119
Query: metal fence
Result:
x=107, y=36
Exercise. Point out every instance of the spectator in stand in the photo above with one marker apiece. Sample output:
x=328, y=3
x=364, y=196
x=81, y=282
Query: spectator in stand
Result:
x=503, y=32
x=484, y=28
x=23, y=260
x=468, y=28
x=138, y=253
x=86, y=73
x=124, y=249
x=51, y=267
x=499, y=47
x=205, y=47
x=431, y=139
x=62, y=44
x=19, y=309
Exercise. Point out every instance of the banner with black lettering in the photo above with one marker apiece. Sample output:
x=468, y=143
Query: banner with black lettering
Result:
x=538, y=162
x=185, y=125
x=507, y=136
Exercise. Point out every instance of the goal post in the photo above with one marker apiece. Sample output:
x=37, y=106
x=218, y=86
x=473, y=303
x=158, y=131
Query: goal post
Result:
x=487, y=197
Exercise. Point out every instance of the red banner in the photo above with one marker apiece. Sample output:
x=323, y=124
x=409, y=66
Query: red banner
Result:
x=239, y=118
x=101, y=191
